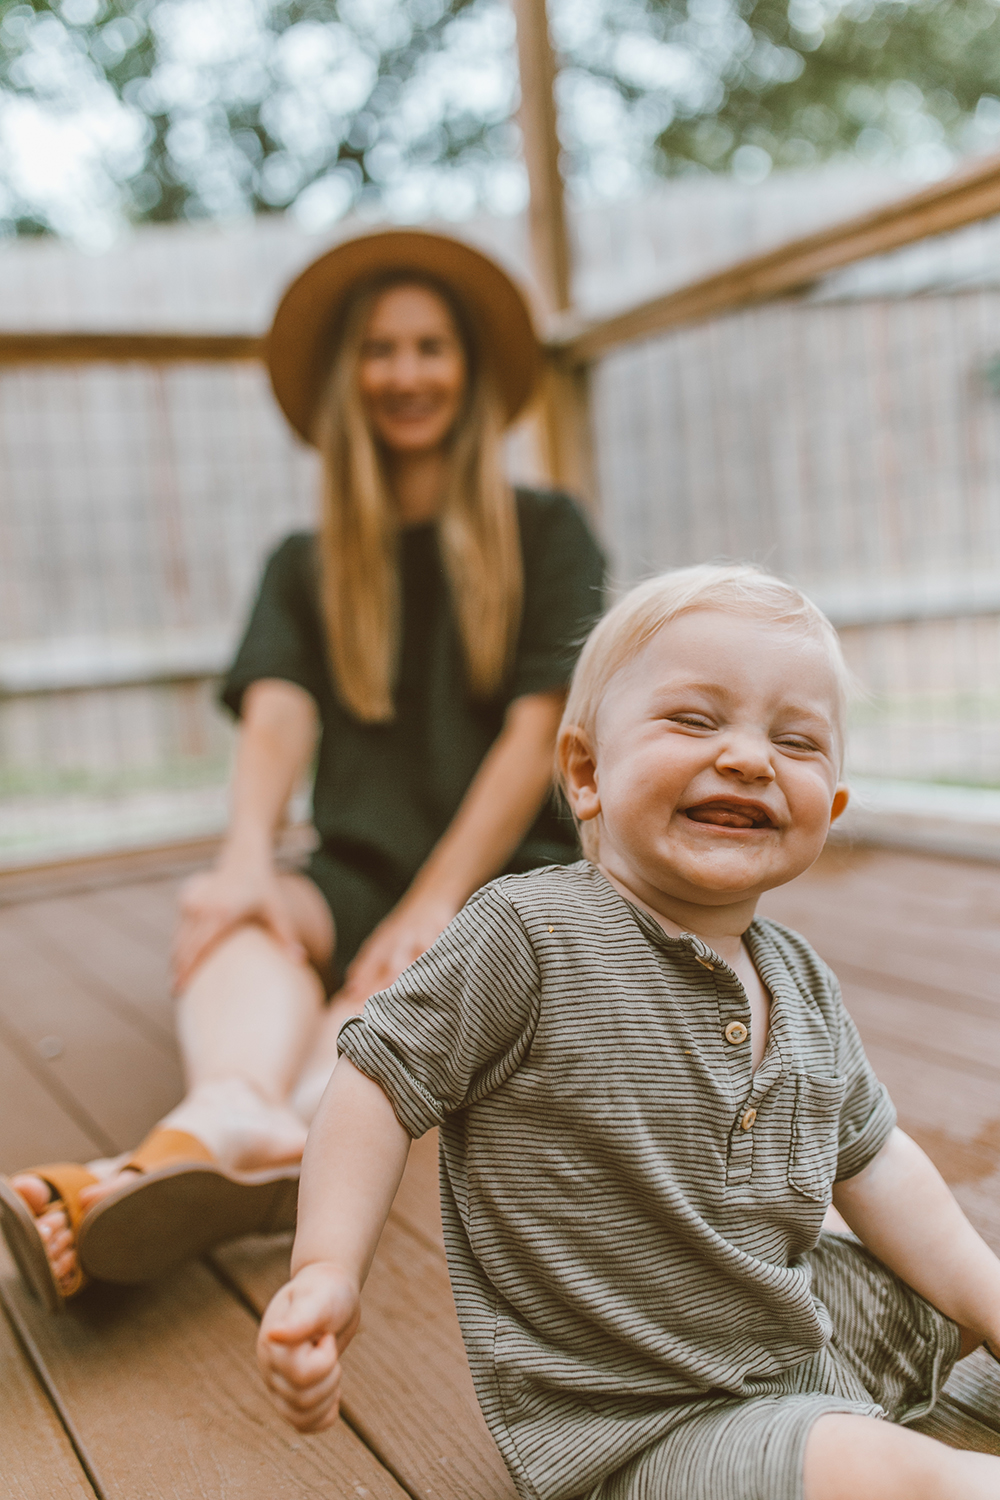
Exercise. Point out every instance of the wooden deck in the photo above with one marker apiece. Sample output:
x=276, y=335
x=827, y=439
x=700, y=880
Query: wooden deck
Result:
x=154, y=1393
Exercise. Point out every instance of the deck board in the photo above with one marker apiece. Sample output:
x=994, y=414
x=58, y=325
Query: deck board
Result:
x=39, y=1462
x=119, y=1079
x=159, y=1383
x=162, y=1389
x=124, y=971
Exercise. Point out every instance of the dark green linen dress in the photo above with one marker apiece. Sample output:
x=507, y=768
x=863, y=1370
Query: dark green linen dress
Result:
x=385, y=793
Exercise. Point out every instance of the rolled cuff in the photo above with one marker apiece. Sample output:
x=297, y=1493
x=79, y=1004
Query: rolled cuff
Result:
x=860, y=1147
x=415, y=1109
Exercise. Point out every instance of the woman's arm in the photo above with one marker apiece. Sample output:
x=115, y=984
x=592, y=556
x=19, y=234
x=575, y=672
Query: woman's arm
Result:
x=353, y=1161
x=500, y=805
x=902, y=1209
x=277, y=737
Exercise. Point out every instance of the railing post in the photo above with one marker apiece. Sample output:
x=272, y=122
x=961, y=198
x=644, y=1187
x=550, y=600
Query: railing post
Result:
x=564, y=402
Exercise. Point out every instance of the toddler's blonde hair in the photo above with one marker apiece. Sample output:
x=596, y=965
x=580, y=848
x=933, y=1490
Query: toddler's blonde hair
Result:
x=735, y=588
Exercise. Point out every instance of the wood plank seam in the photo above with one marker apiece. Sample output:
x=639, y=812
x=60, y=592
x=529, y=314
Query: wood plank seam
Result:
x=34, y=1357
x=912, y=989
x=56, y=1089
x=989, y=1072
x=124, y=1010
x=232, y=1285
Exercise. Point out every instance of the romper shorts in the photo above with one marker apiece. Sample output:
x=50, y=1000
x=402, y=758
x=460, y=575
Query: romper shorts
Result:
x=889, y=1355
x=357, y=901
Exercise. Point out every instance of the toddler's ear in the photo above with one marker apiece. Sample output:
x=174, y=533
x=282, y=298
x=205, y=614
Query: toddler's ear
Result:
x=841, y=797
x=578, y=765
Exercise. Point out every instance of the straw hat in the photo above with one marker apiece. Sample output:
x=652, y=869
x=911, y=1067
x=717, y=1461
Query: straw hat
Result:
x=300, y=344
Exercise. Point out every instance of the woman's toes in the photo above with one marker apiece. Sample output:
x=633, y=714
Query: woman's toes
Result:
x=64, y=1265
x=36, y=1193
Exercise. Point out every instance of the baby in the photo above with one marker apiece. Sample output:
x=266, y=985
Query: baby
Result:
x=648, y=1099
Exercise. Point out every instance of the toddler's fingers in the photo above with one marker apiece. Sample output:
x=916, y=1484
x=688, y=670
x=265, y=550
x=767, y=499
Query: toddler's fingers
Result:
x=304, y=1364
x=301, y=1319
x=305, y=1398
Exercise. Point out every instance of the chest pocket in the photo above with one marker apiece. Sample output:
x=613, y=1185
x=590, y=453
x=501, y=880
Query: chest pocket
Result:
x=812, y=1161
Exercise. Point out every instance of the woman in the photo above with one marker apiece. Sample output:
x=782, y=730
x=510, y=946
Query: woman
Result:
x=418, y=647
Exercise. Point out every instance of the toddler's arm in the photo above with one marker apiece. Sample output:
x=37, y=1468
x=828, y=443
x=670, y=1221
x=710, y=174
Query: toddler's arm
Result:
x=353, y=1161
x=902, y=1209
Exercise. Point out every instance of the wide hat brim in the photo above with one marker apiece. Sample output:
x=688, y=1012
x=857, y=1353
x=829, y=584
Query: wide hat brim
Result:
x=300, y=345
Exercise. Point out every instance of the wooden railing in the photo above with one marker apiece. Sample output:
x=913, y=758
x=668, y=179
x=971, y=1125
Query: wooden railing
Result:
x=955, y=202
x=573, y=346
x=965, y=198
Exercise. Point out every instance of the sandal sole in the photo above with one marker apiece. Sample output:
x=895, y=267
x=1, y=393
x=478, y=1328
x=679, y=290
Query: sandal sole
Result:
x=28, y=1248
x=173, y=1213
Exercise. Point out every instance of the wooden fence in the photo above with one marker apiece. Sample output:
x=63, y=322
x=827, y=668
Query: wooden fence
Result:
x=638, y=385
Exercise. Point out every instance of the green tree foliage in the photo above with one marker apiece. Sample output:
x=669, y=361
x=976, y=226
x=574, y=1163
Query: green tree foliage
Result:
x=162, y=109
x=804, y=82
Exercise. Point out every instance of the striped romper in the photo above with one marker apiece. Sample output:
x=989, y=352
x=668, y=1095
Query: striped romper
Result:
x=632, y=1215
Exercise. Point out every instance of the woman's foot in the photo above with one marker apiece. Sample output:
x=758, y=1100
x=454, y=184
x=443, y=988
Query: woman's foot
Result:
x=243, y=1131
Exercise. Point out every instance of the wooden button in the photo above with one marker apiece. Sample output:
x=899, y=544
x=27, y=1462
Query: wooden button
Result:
x=747, y=1121
x=736, y=1033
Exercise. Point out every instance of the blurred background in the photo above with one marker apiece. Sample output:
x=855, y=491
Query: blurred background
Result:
x=167, y=166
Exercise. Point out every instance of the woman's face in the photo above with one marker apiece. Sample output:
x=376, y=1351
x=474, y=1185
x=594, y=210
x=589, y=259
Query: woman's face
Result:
x=412, y=370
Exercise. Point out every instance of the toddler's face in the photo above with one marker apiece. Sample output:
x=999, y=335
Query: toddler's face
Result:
x=715, y=774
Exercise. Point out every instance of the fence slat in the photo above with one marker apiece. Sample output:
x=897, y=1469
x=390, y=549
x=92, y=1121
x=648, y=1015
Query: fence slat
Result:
x=121, y=348
x=959, y=200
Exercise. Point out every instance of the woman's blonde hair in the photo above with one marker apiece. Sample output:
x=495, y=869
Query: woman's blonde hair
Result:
x=477, y=526
x=736, y=588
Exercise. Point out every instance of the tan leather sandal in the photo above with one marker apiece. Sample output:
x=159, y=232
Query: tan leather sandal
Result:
x=181, y=1203
x=20, y=1230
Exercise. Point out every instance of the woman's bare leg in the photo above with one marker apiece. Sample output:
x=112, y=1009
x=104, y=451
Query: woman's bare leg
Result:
x=858, y=1458
x=322, y=1059
x=247, y=1021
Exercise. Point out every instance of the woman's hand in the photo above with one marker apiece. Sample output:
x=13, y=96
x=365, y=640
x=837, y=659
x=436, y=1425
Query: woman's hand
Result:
x=408, y=930
x=303, y=1334
x=215, y=902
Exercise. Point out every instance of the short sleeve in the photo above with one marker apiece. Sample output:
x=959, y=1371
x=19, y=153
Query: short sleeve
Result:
x=282, y=638
x=563, y=591
x=457, y=1022
x=867, y=1115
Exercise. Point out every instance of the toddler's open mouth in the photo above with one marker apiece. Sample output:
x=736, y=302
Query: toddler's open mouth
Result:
x=731, y=812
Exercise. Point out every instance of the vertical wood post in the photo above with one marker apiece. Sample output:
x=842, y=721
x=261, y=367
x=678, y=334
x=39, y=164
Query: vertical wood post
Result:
x=546, y=209
x=564, y=405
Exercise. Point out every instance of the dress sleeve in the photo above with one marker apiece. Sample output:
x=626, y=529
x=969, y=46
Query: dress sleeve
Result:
x=563, y=592
x=283, y=636
x=458, y=1022
x=867, y=1115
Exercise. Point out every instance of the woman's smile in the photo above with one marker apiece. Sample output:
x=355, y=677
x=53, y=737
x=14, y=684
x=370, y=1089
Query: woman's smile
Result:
x=412, y=374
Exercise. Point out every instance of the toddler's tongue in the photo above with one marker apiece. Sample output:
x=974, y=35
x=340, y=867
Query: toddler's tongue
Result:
x=724, y=815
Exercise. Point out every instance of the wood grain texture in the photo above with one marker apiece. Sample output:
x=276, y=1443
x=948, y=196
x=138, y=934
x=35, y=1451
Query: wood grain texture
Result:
x=36, y=1127
x=38, y=1458
x=539, y=129
x=121, y=348
x=106, y=1072
x=161, y=1385
x=128, y=975
x=962, y=199
x=84, y=872
x=407, y=1387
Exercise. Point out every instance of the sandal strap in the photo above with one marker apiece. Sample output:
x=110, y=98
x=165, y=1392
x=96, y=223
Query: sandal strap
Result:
x=66, y=1179
x=164, y=1146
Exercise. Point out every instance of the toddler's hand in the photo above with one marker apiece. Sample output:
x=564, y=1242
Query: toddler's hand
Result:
x=306, y=1328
